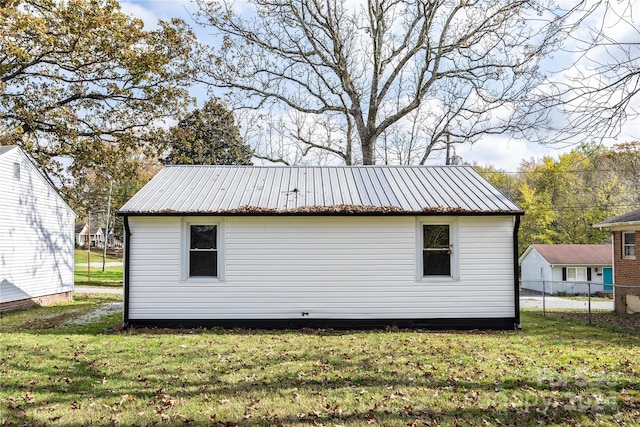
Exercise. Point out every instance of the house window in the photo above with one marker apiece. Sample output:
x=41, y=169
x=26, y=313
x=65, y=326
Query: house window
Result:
x=203, y=251
x=576, y=274
x=16, y=171
x=436, y=250
x=629, y=244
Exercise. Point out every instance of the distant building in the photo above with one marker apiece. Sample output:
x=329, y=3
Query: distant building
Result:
x=86, y=236
x=625, y=230
x=567, y=268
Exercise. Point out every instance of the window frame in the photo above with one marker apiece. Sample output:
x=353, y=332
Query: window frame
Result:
x=628, y=245
x=17, y=171
x=575, y=270
x=185, y=250
x=453, y=245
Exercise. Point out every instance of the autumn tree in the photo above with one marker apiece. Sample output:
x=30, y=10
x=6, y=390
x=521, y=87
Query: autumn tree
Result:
x=507, y=182
x=563, y=197
x=84, y=88
x=566, y=197
x=624, y=158
x=208, y=136
x=334, y=76
x=92, y=190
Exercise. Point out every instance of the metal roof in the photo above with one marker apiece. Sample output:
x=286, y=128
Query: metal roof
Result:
x=572, y=254
x=252, y=190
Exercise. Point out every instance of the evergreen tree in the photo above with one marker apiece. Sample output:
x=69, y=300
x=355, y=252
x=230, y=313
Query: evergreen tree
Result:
x=208, y=136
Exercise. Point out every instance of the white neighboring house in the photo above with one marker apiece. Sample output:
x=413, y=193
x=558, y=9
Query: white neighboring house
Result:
x=422, y=246
x=567, y=268
x=36, y=236
x=93, y=237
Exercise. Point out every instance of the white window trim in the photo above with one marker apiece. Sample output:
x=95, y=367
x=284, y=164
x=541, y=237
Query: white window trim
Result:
x=576, y=278
x=187, y=222
x=624, y=245
x=454, y=243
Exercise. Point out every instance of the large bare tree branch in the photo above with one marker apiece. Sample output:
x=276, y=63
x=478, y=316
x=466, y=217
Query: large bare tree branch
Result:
x=367, y=67
x=599, y=91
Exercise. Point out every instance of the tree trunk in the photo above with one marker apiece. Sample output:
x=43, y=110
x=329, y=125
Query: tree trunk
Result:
x=368, y=151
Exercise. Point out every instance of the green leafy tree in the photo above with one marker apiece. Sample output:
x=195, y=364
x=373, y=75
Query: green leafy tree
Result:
x=208, y=136
x=563, y=198
x=573, y=193
x=84, y=88
x=624, y=158
x=507, y=183
x=537, y=223
x=90, y=195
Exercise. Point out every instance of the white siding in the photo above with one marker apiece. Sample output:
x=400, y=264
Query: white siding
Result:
x=328, y=267
x=533, y=270
x=36, y=233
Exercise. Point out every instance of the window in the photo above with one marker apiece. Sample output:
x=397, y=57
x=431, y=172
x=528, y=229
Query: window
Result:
x=576, y=274
x=203, y=251
x=16, y=171
x=436, y=250
x=629, y=244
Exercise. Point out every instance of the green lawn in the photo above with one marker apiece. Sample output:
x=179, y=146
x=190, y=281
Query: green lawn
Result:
x=553, y=372
x=95, y=254
x=111, y=277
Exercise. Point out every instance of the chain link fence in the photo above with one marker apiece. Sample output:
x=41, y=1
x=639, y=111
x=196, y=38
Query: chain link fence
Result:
x=623, y=299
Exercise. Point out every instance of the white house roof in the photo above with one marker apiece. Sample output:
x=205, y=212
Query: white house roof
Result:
x=247, y=190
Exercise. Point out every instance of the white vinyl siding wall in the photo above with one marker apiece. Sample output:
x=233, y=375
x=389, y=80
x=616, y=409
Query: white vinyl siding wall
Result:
x=324, y=267
x=36, y=233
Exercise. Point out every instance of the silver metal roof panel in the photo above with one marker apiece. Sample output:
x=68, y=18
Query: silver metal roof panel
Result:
x=219, y=190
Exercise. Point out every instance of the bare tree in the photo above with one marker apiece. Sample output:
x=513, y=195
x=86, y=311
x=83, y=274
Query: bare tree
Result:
x=599, y=91
x=351, y=73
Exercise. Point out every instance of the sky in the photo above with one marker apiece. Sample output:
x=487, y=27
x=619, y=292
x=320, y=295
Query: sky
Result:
x=500, y=151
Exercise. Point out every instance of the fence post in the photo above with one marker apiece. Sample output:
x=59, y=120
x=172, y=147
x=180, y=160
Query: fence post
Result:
x=544, y=311
x=589, y=299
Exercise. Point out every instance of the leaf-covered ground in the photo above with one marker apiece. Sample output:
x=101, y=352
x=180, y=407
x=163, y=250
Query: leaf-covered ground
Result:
x=629, y=323
x=554, y=372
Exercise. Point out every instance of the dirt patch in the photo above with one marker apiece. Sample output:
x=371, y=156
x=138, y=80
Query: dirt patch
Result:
x=96, y=313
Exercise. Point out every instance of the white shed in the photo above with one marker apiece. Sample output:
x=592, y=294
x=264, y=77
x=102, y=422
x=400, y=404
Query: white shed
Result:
x=430, y=247
x=567, y=268
x=36, y=235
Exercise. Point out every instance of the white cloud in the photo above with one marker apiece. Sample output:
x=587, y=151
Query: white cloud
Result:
x=501, y=152
x=137, y=10
x=150, y=11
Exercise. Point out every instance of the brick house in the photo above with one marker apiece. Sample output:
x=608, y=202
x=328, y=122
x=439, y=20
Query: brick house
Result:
x=625, y=230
